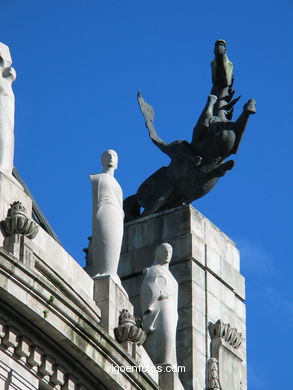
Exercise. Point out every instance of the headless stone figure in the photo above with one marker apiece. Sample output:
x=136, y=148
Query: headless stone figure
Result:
x=7, y=76
x=107, y=218
x=159, y=301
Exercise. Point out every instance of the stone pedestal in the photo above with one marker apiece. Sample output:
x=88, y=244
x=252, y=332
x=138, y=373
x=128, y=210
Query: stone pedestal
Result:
x=206, y=266
x=20, y=247
x=143, y=360
x=111, y=298
x=168, y=379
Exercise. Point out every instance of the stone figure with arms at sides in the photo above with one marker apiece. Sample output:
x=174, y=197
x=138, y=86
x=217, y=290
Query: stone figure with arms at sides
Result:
x=159, y=302
x=107, y=219
x=195, y=166
x=7, y=77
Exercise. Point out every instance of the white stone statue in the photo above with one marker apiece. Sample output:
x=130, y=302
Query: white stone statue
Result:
x=159, y=303
x=7, y=76
x=107, y=219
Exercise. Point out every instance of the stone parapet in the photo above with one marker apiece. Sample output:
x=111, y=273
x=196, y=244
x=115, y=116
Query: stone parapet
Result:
x=47, y=337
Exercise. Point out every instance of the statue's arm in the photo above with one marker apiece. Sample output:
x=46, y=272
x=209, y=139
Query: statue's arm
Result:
x=149, y=114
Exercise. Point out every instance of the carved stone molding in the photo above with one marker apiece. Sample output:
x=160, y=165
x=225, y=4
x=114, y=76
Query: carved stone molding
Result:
x=17, y=222
x=225, y=364
x=213, y=374
x=35, y=359
x=129, y=329
x=226, y=332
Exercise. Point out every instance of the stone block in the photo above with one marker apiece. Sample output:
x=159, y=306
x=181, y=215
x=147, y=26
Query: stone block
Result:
x=215, y=238
x=199, y=299
x=13, y=244
x=125, y=266
x=20, y=247
x=47, y=366
x=198, y=275
x=197, y=224
x=11, y=337
x=35, y=357
x=58, y=377
x=182, y=271
x=233, y=256
x=233, y=278
x=198, y=250
x=220, y=291
x=132, y=285
x=199, y=370
x=23, y=347
x=135, y=301
x=26, y=255
x=240, y=309
x=205, y=264
x=214, y=308
x=142, y=358
x=214, y=259
x=229, y=370
x=199, y=341
x=71, y=383
x=112, y=298
x=2, y=327
x=169, y=380
x=182, y=247
x=191, y=352
x=142, y=258
x=185, y=295
x=59, y=262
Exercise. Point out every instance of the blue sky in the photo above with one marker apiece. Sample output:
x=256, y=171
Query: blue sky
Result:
x=80, y=65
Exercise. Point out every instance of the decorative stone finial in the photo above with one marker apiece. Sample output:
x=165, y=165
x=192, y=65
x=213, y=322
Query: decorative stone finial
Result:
x=226, y=332
x=18, y=222
x=129, y=329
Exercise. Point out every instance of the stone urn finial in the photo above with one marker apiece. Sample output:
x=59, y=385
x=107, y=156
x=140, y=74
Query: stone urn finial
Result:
x=17, y=222
x=129, y=329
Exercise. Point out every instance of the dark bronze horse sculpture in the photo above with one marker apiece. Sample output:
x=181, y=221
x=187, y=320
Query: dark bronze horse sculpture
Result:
x=197, y=166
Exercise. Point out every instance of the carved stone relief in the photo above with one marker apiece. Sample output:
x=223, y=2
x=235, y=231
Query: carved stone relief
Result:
x=17, y=222
x=224, y=366
x=129, y=329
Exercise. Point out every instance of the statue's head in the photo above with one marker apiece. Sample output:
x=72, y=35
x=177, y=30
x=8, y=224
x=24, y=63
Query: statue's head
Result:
x=109, y=159
x=220, y=46
x=163, y=254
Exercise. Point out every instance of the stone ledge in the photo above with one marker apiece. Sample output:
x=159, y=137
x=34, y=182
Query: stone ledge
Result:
x=73, y=330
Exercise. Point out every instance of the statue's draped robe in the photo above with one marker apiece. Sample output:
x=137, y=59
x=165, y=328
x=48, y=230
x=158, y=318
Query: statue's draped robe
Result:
x=159, y=296
x=6, y=124
x=107, y=224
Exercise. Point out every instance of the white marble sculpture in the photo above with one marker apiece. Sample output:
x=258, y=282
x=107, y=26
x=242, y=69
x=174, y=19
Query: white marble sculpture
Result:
x=107, y=219
x=159, y=297
x=7, y=76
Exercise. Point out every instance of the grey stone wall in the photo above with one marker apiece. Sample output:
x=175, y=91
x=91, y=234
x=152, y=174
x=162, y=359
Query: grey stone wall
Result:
x=206, y=265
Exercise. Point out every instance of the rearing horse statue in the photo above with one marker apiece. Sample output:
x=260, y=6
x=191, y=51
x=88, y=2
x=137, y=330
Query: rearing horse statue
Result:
x=197, y=166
